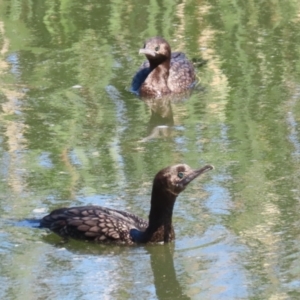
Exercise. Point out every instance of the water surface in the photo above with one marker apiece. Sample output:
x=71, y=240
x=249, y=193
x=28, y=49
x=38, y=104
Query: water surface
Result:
x=72, y=134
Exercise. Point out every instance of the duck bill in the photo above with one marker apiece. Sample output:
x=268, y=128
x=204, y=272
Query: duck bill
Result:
x=194, y=174
x=147, y=52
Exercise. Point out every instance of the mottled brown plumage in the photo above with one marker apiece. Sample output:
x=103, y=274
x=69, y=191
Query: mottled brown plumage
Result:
x=164, y=72
x=102, y=224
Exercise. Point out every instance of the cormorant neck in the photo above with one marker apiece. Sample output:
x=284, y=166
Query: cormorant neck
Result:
x=162, y=203
x=156, y=82
x=164, y=62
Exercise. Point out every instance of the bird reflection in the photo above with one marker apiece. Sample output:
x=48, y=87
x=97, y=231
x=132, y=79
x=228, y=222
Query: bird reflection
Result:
x=167, y=286
x=161, y=120
x=166, y=283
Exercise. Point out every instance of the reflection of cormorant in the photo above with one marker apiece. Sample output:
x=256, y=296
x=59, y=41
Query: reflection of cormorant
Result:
x=161, y=119
x=102, y=224
x=165, y=280
x=163, y=73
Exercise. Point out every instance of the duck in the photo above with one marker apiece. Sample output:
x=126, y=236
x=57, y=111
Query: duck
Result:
x=164, y=73
x=102, y=224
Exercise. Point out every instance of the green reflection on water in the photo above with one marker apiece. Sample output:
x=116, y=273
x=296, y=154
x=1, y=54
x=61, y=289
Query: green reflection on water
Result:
x=72, y=134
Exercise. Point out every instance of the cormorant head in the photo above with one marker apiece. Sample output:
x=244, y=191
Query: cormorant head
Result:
x=176, y=178
x=156, y=49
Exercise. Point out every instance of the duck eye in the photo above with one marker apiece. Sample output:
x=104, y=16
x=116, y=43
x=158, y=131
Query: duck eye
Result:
x=156, y=48
x=180, y=175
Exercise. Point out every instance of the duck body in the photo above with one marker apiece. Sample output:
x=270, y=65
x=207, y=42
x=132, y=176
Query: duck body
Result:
x=101, y=224
x=164, y=72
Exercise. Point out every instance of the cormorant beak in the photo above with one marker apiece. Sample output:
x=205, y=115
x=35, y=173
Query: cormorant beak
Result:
x=195, y=173
x=148, y=52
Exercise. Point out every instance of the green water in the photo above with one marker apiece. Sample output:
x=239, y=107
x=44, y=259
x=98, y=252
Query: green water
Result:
x=72, y=134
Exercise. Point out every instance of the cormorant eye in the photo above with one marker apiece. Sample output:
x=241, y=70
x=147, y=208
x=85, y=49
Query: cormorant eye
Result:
x=180, y=175
x=156, y=48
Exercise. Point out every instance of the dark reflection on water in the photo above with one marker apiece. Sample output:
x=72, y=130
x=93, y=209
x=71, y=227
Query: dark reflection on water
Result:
x=161, y=119
x=167, y=286
x=166, y=283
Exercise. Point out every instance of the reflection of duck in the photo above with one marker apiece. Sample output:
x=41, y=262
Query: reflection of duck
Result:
x=102, y=224
x=164, y=72
x=166, y=283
